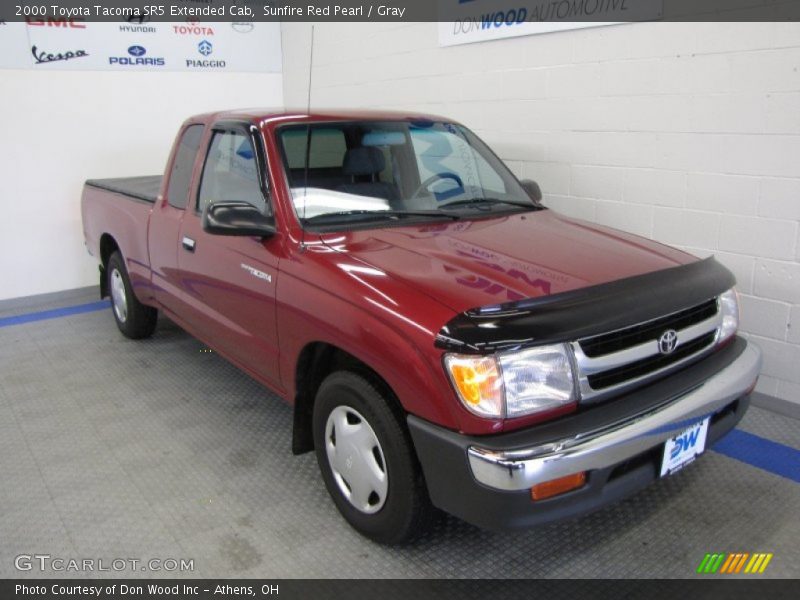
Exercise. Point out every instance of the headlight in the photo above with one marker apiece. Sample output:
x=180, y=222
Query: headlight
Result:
x=537, y=379
x=478, y=383
x=729, y=308
x=514, y=384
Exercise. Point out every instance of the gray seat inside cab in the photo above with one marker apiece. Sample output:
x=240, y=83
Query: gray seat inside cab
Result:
x=362, y=166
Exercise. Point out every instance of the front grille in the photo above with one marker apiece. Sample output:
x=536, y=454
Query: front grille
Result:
x=647, y=365
x=610, y=363
x=631, y=336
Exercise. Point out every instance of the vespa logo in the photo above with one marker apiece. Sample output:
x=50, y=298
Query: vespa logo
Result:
x=668, y=341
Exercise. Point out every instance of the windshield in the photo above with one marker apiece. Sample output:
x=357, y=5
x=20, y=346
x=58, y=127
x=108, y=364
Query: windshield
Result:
x=366, y=171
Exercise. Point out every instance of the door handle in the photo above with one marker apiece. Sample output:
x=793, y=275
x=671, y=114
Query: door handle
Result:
x=188, y=243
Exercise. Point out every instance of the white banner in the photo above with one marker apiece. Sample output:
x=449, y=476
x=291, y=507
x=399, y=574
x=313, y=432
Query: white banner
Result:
x=73, y=44
x=469, y=21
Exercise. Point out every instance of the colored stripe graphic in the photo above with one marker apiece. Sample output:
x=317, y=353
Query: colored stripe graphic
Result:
x=711, y=563
x=762, y=453
x=734, y=563
x=758, y=563
x=54, y=313
x=730, y=564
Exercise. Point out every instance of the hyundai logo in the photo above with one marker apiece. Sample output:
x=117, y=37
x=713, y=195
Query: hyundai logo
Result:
x=668, y=341
x=137, y=51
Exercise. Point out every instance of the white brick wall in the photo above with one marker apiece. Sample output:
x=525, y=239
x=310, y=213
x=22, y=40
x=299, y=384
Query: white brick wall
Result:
x=686, y=133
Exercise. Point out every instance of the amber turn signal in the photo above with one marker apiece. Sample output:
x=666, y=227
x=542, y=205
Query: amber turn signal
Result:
x=554, y=487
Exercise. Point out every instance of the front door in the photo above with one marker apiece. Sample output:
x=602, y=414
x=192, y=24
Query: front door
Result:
x=229, y=282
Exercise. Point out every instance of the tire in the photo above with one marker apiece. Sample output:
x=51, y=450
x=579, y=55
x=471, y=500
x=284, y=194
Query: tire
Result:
x=394, y=513
x=135, y=320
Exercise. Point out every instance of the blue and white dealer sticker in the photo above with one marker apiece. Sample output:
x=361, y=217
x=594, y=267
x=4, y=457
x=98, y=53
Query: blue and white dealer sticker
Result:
x=684, y=447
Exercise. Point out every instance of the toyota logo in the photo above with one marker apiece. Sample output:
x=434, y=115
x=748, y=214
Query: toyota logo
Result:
x=668, y=341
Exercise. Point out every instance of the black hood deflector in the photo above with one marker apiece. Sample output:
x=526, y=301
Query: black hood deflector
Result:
x=585, y=312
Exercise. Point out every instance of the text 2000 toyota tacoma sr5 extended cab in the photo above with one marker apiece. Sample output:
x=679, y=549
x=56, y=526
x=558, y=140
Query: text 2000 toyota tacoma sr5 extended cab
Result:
x=445, y=340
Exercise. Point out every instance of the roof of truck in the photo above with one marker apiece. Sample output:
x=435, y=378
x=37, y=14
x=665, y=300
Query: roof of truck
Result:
x=266, y=115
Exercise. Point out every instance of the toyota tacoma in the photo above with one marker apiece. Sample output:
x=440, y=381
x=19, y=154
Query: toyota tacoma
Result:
x=445, y=341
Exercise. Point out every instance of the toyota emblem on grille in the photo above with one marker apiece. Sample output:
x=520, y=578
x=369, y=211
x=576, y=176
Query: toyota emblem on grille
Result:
x=668, y=341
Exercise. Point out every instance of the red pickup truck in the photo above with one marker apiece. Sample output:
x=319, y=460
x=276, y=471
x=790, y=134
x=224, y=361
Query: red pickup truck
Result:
x=444, y=339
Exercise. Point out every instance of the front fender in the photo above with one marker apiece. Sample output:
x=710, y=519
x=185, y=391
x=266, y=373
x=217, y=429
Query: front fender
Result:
x=398, y=348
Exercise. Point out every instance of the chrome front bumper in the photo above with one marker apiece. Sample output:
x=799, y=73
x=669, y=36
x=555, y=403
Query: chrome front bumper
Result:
x=512, y=470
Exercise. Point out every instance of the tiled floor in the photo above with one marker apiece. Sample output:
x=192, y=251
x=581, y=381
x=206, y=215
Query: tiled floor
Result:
x=113, y=449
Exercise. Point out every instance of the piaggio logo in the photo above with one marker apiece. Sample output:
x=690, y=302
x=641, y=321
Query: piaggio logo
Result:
x=205, y=48
x=734, y=563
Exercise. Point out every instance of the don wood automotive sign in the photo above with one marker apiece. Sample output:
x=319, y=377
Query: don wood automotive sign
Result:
x=469, y=21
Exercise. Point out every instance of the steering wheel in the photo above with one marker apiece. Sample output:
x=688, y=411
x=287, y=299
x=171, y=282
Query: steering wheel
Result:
x=435, y=177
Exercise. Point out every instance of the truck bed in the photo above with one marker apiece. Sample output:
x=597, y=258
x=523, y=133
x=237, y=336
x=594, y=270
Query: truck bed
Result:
x=144, y=188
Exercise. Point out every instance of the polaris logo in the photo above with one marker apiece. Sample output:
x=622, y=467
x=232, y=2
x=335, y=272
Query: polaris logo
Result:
x=137, y=58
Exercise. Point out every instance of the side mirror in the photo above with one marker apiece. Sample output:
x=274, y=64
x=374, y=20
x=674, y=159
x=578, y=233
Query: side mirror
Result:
x=236, y=218
x=532, y=189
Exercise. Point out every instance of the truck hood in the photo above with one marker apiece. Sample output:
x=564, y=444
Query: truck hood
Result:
x=468, y=264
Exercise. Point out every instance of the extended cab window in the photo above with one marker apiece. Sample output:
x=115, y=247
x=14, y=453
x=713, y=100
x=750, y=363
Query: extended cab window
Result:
x=181, y=176
x=230, y=172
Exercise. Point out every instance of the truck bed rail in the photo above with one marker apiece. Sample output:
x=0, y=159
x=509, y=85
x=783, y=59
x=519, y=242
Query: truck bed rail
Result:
x=141, y=188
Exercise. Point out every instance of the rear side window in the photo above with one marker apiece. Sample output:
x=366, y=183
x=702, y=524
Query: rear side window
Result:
x=181, y=176
x=230, y=172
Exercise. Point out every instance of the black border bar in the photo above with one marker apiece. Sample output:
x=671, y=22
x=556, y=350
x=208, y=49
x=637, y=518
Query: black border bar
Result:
x=707, y=586
x=400, y=11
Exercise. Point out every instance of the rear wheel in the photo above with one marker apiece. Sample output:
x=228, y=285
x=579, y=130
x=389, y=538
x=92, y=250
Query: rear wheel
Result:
x=367, y=460
x=134, y=319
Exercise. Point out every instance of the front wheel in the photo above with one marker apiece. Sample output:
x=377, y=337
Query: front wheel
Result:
x=368, y=462
x=134, y=319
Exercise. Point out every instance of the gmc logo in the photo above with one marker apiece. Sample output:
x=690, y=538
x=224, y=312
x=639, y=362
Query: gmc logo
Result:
x=53, y=22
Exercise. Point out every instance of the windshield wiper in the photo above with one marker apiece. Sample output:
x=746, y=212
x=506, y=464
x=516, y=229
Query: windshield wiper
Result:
x=491, y=201
x=380, y=214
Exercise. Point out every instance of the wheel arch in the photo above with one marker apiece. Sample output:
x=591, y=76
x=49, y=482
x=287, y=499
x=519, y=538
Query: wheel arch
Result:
x=316, y=361
x=108, y=245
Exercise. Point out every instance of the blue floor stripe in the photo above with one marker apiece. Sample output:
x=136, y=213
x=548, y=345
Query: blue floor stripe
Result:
x=762, y=453
x=54, y=313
